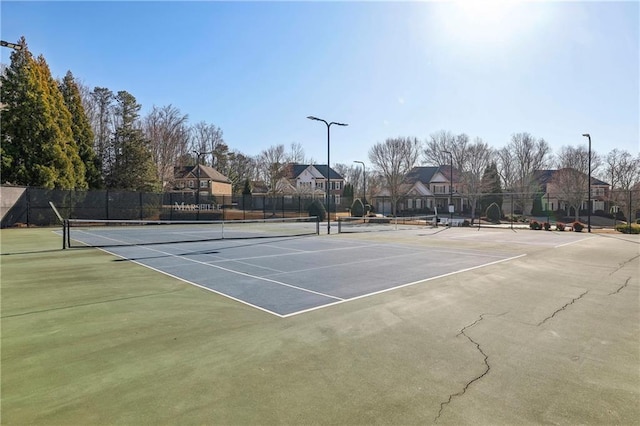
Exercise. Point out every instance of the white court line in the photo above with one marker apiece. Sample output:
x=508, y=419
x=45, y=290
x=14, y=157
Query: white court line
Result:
x=242, y=273
x=573, y=242
x=338, y=299
x=403, y=285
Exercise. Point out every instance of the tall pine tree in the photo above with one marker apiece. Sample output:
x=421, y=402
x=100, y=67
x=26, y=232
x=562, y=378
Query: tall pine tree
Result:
x=491, y=188
x=81, y=128
x=38, y=148
x=132, y=167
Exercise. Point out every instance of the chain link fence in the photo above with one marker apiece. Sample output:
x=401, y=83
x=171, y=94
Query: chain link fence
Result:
x=30, y=206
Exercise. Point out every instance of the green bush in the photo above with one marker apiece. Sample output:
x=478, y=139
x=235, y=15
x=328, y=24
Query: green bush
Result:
x=559, y=226
x=316, y=208
x=357, y=208
x=493, y=213
x=535, y=225
x=577, y=226
x=466, y=223
x=547, y=226
x=624, y=228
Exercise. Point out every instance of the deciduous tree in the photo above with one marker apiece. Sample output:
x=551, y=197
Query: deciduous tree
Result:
x=394, y=158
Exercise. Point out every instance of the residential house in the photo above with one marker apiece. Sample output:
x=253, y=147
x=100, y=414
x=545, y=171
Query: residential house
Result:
x=311, y=179
x=301, y=180
x=425, y=189
x=207, y=179
x=557, y=192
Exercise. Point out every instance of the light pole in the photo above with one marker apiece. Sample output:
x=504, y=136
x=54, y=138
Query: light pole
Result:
x=311, y=117
x=364, y=186
x=450, y=185
x=10, y=45
x=588, y=136
x=198, y=155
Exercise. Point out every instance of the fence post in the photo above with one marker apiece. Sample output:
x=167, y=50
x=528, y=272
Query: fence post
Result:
x=106, y=194
x=629, y=217
x=28, y=194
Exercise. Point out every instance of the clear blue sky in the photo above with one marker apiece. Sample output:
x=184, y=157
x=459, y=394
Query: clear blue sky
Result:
x=258, y=69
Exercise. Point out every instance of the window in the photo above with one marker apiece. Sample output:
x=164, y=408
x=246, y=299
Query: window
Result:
x=440, y=189
x=191, y=184
x=337, y=199
x=204, y=184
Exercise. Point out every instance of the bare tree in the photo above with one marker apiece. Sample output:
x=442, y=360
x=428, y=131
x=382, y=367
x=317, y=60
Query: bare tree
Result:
x=440, y=144
x=208, y=138
x=239, y=168
x=517, y=163
x=478, y=157
x=166, y=130
x=271, y=165
x=296, y=154
x=394, y=158
x=571, y=180
x=624, y=172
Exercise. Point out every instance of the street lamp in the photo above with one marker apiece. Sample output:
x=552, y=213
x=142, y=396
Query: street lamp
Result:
x=198, y=155
x=588, y=136
x=311, y=117
x=364, y=185
x=10, y=45
x=450, y=186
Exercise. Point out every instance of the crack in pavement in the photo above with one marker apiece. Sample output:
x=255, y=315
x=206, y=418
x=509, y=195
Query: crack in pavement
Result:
x=626, y=283
x=622, y=265
x=475, y=379
x=562, y=308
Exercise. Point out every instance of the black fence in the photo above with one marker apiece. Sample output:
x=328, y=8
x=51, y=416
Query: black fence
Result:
x=32, y=208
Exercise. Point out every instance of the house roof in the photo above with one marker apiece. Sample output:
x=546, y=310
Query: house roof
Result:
x=544, y=176
x=206, y=172
x=425, y=174
x=294, y=170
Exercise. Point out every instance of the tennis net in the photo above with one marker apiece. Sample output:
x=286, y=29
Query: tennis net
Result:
x=378, y=223
x=105, y=233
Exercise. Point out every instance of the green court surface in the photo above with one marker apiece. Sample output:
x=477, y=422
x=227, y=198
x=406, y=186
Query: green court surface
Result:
x=551, y=336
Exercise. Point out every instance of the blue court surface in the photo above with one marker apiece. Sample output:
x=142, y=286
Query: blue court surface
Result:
x=291, y=275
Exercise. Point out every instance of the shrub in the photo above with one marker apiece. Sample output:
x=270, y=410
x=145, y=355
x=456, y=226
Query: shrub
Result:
x=316, y=208
x=577, y=226
x=559, y=226
x=547, y=226
x=466, y=223
x=357, y=208
x=534, y=224
x=624, y=228
x=494, y=213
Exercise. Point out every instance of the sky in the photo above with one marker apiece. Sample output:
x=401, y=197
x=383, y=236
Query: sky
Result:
x=257, y=69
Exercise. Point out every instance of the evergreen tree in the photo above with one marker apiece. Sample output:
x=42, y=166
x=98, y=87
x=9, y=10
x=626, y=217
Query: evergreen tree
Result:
x=103, y=99
x=133, y=167
x=491, y=188
x=82, y=133
x=247, y=187
x=38, y=148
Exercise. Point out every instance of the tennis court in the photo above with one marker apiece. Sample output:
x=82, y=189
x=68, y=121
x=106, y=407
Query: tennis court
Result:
x=289, y=275
x=480, y=327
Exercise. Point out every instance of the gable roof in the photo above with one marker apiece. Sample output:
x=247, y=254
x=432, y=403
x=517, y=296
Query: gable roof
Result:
x=425, y=174
x=206, y=172
x=294, y=170
x=543, y=177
